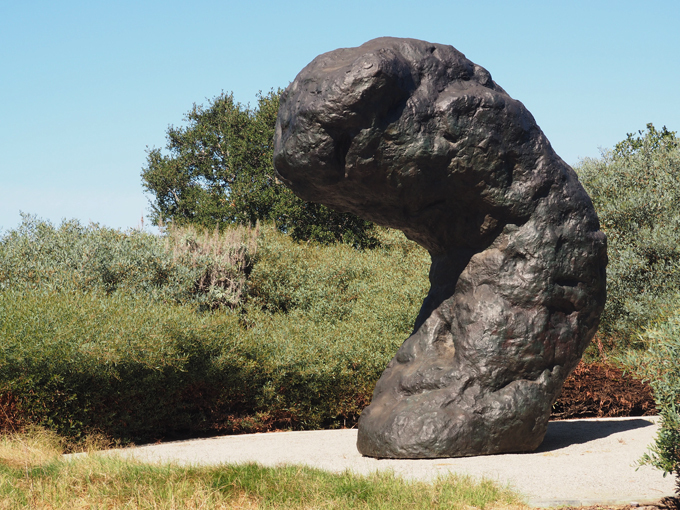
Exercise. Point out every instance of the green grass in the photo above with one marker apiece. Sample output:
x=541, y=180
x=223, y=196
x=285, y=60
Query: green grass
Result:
x=33, y=474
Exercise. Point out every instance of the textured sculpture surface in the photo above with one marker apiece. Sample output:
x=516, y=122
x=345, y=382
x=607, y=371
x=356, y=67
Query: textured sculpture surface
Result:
x=414, y=136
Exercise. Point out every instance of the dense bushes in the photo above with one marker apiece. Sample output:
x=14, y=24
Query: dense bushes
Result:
x=185, y=266
x=132, y=357
x=636, y=192
x=137, y=371
x=384, y=286
x=660, y=365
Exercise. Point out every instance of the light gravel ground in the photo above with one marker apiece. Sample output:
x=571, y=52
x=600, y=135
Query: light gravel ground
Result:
x=581, y=462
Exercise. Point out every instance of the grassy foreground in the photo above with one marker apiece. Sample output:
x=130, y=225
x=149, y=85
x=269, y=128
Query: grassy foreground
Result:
x=33, y=474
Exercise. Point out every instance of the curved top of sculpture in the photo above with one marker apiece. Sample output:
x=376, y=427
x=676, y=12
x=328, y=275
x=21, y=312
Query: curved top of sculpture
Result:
x=414, y=136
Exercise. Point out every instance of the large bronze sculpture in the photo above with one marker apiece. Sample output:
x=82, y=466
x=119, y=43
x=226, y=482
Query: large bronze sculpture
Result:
x=414, y=136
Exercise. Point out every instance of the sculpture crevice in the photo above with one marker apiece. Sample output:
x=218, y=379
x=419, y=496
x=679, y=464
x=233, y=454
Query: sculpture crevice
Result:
x=414, y=136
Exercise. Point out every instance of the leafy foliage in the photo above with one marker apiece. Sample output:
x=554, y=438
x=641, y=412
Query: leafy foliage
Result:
x=385, y=285
x=220, y=171
x=93, y=339
x=659, y=365
x=636, y=192
x=650, y=141
x=187, y=266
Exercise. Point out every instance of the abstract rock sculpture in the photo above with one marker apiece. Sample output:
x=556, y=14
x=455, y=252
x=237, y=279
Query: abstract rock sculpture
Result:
x=414, y=136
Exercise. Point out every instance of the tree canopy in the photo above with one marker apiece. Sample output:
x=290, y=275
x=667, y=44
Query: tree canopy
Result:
x=218, y=170
x=635, y=189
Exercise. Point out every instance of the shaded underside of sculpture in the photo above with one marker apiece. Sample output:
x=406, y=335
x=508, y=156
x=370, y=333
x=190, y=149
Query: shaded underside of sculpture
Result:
x=414, y=136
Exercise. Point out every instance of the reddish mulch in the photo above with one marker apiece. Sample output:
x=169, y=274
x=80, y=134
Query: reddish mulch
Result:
x=599, y=390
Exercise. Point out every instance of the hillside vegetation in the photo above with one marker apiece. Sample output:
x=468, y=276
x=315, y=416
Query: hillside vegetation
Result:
x=244, y=328
x=142, y=337
x=635, y=189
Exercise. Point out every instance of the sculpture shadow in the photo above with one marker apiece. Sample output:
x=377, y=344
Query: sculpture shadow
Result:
x=566, y=433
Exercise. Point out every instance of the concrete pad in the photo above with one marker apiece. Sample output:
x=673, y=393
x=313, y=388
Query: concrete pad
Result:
x=581, y=462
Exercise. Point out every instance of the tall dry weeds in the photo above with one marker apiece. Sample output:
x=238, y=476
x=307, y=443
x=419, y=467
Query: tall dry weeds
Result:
x=227, y=256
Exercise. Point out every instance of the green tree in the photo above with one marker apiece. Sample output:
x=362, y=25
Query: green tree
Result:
x=646, y=142
x=219, y=170
x=636, y=192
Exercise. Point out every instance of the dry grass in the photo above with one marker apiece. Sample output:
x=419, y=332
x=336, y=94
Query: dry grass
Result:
x=29, y=449
x=230, y=254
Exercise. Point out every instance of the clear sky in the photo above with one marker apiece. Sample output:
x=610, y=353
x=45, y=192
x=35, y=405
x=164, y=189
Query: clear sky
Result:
x=86, y=86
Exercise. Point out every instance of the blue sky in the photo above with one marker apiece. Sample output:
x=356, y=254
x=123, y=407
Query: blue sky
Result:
x=85, y=87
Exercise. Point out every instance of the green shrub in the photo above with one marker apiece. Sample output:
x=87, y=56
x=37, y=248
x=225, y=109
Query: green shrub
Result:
x=315, y=329
x=328, y=284
x=184, y=266
x=636, y=192
x=78, y=362
x=139, y=371
x=659, y=365
x=335, y=314
x=635, y=189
